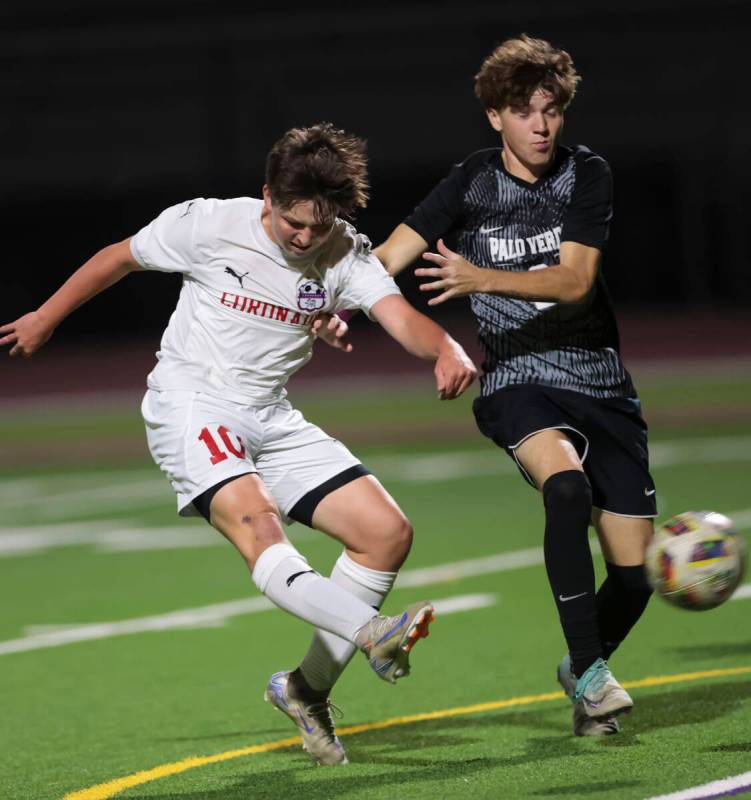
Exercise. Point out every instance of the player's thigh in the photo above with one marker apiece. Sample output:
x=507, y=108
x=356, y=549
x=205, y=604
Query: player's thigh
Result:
x=198, y=441
x=623, y=539
x=244, y=511
x=545, y=453
x=300, y=464
x=364, y=517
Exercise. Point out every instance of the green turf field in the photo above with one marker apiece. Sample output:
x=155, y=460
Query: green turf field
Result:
x=91, y=549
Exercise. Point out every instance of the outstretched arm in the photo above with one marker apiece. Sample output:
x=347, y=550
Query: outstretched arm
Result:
x=454, y=370
x=401, y=248
x=29, y=332
x=570, y=281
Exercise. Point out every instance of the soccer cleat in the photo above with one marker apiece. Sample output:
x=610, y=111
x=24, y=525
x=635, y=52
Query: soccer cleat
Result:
x=600, y=693
x=584, y=725
x=387, y=641
x=313, y=720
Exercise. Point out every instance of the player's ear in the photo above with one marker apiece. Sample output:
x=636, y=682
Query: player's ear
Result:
x=494, y=118
x=266, y=199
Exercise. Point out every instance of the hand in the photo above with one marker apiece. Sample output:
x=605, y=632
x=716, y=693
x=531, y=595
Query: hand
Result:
x=457, y=276
x=333, y=331
x=26, y=335
x=454, y=371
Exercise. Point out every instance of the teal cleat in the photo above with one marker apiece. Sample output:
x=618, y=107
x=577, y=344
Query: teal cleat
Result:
x=586, y=724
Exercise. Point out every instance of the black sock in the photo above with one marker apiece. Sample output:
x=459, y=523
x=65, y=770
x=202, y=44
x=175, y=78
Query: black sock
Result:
x=621, y=600
x=568, y=560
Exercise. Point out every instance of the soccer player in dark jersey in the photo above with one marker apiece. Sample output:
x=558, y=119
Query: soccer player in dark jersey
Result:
x=530, y=220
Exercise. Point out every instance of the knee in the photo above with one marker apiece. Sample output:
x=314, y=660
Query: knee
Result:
x=267, y=528
x=251, y=529
x=630, y=581
x=394, y=541
x=569, y=489
x=402, y=534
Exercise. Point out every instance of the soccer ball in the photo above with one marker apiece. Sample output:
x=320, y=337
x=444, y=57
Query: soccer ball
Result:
x=696, y=560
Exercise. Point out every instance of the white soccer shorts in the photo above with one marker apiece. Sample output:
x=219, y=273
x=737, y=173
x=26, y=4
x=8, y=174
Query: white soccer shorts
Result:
x=199, y=440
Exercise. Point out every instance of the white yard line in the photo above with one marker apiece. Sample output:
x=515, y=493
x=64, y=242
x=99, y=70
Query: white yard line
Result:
x=125, y=490
x=722, y=788
x=742, y=592
x=55, y=635
x=464, y=602
x=445, y=573
x=109, y=536
x=41, y=637
x=114, y=536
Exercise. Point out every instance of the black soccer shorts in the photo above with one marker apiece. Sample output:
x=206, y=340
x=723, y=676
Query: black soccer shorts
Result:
x=609, y=435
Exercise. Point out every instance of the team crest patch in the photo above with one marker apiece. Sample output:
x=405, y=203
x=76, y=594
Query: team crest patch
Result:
x=311, y=296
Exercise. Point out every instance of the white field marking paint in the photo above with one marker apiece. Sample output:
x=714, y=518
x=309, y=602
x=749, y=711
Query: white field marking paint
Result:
x=742, y=592
x=113, y=536
x=502, y=562
x=441, y=466
x=109, y=536
x=20, y=541
x=700, y=451
x=464, y=602
x=722, y=788
x=126, y=489
x=41, y=637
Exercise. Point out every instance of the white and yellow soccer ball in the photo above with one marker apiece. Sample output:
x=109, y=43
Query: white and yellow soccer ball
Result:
x=696, y=560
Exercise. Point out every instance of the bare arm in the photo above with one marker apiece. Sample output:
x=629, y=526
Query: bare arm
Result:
x=421, y=336
x=401, y=248
x=570, y=281
x=29, y=332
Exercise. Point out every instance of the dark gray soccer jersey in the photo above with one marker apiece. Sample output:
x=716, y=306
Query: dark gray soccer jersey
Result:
x=503, y=222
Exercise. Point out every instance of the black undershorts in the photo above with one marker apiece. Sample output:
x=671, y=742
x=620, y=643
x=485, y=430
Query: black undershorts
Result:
x=609, y=434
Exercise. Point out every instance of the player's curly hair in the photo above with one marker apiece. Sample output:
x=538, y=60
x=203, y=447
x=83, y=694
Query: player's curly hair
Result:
x=511, y=74
x=320, y=163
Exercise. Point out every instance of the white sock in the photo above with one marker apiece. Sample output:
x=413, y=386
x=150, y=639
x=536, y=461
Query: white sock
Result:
x=328, y=655
x=286, y=578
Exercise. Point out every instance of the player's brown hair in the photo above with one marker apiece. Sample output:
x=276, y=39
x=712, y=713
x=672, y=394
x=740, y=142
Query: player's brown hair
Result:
x=320, y=163
x=511, y=74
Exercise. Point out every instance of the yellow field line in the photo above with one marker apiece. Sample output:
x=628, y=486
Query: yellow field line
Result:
x=103, y=791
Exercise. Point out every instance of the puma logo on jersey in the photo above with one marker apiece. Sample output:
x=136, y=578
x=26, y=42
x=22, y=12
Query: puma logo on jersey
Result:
x=235, y=275
x=187, y=210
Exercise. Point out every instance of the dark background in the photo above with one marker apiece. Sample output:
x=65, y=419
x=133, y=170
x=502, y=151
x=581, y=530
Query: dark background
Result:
x=114, y=110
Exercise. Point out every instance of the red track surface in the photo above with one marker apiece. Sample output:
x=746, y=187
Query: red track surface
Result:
x=66, y=369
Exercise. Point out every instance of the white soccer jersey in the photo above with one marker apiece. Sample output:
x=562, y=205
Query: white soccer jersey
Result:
x=242, y=323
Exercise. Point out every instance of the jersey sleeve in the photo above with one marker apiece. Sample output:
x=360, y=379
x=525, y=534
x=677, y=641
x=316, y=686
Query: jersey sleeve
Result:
x=168, y=243
x=440, y=211
x=587, y=219
x=364, y=281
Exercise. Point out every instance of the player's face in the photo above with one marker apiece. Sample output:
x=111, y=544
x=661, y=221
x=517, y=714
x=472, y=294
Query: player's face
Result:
x=295, y=229
x=530, y=134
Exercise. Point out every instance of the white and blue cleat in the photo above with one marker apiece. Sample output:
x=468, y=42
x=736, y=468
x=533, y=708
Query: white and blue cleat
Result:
x=313, y=720
x=388, y=641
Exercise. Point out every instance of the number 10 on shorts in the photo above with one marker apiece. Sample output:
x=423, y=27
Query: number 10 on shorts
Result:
x=216, y=453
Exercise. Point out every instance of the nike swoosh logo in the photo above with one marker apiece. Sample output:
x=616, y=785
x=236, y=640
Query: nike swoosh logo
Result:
x=394, y=629
x=572, y=597
x=490, y=230
x=649, y=493
x=305, y=725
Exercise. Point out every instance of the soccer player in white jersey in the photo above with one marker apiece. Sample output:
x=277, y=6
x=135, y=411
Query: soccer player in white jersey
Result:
x=262, y=278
